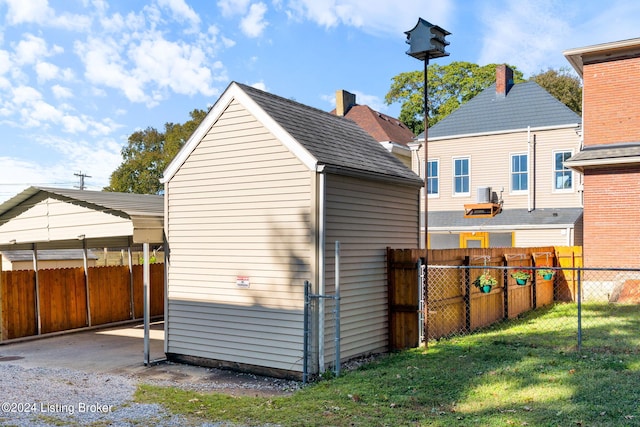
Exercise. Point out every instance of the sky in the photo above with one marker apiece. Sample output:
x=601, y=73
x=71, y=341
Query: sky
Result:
x=77, y=77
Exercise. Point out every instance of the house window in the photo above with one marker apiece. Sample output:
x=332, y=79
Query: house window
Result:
x=433, y=178
x=519, y=173
x=562, y=175
x=461, y=176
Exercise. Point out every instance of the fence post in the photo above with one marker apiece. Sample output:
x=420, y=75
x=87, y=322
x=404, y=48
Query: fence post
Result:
x=305, y=350
x=422, y=316
x=579, y=310
x=505, y=280
x=337, y=305
x=467, y=295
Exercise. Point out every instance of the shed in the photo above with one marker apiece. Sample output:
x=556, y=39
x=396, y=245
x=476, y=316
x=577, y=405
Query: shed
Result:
x=255, y=201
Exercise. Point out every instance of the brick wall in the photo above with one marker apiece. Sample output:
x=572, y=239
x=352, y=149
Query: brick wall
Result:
x=611, y=217
x=611, y=108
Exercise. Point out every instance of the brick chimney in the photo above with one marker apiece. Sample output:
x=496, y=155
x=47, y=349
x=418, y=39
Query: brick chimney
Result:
x=504, y=80
x=344, y=101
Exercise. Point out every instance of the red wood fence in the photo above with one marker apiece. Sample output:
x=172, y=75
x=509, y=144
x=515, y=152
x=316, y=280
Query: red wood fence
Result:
x=62, y=302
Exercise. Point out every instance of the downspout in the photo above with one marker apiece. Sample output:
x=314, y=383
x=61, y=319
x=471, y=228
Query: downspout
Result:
x=529, y=177
x=321, y=263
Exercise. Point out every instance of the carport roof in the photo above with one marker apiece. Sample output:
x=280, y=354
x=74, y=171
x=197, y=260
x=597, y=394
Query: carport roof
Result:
x=48, y=255
x=139, y=219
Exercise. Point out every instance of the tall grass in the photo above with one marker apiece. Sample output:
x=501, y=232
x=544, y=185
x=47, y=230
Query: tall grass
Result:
x=525, y=372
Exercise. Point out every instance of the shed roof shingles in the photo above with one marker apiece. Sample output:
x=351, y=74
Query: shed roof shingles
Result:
x=334, y=141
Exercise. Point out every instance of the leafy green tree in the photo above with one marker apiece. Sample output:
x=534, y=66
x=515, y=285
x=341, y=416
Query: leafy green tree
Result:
x=564, y=85
x=148, y=153
x=448, y=87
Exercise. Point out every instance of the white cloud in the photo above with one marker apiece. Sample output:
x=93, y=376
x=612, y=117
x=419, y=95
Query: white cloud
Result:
x=30, y=50
x=5, y=62
x=104, y=65
x=96, y=157
x=378, y=17
x=28, y=109
x=25, y=94
x=46, y=71
x=34, y=11
x=178, y=66
x=260, y=85
x=61, y=92
x=39, y=12
x=182, y=12
x=526, y=34
x=148, y=68
x=233, y=7
x=253, y=24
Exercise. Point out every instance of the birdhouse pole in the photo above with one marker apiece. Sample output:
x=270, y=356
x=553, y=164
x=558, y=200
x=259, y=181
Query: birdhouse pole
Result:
x=426, y=41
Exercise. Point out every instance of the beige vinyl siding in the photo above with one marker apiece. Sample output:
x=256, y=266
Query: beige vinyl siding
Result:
x=490, y=166
x=366, y=217
x=52, y=219
x=544, y=237
x=240, y=205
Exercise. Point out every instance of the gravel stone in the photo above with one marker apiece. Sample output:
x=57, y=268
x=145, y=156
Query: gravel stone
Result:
x=45, y=397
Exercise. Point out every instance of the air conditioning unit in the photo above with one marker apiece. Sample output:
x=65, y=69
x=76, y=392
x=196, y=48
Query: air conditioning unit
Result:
x=483, y=195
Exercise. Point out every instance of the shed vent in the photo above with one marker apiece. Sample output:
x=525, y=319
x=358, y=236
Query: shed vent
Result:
x=483, y=195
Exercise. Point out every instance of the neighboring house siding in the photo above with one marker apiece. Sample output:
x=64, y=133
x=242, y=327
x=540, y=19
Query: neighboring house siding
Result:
x=53, y=218
x=490, y=166
x=366, y=217
x=543, y=237
x=611, y=217
x=240, y=205
x=610, y=98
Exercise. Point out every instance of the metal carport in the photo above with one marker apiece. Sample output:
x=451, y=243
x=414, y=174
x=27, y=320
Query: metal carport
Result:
x=55, y=218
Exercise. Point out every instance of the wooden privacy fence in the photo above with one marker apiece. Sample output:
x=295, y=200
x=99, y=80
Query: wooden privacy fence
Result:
x=453, y=305
x=113, y=295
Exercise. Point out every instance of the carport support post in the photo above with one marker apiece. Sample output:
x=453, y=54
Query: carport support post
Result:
x=2, y=334
x=85, y=264
x=37, y=284
x=145, y=283
x=130, y=262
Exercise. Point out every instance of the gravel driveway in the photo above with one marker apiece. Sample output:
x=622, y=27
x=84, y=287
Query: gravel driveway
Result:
x=89, y=377
x=37, y=396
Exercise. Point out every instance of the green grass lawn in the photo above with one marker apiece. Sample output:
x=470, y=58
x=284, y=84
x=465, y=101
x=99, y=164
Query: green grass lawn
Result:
x=525, y=372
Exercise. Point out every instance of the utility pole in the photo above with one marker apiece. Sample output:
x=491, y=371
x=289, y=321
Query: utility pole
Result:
x=82, y=177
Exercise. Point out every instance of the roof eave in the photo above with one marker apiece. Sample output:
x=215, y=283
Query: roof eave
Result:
x=502, y=132
x=581, y=165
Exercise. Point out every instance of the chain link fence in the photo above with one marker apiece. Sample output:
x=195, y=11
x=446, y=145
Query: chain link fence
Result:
x=568, y=308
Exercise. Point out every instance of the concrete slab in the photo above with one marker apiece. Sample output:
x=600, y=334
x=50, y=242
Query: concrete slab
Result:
x=103, y=350
x=120, y=351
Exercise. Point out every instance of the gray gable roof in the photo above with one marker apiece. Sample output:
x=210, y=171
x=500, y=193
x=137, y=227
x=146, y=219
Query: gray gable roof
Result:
x=507, y=219
x=122, y=204
x=526, y=104
x=336, y=142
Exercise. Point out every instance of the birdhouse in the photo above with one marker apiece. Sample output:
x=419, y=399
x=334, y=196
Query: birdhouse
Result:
x=427, y=41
